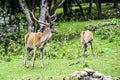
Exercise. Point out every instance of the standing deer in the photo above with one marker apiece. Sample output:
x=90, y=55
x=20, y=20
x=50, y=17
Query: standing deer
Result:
x=86, y=37
x=39, y=39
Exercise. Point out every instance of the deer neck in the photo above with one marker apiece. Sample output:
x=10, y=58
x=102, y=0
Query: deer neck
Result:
x=46, y=34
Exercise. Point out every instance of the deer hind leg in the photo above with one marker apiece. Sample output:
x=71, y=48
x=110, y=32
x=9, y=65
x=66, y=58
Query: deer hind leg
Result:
x=34, y=57
x=41, y=57
x=85, y=46
x=27, y=50
x=92, y=48
x=83, y=49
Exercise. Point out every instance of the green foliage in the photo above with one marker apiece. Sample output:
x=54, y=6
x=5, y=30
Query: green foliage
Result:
x=7, y=58
x=108, y=32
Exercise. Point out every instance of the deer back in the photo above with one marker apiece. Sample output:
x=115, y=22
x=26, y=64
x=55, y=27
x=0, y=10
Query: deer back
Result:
x=32, y=39
x=86, y=36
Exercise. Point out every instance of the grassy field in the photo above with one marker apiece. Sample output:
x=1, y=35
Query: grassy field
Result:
x=60, y=60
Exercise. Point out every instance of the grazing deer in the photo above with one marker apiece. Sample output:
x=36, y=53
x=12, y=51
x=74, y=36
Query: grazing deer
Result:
x=86, y=37
x=39, y=39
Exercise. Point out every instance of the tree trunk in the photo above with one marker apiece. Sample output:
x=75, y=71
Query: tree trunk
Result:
x=90, y=7
x=81, y=9
x=65, y=8
x=70, y=8
x=98, y=5
x=115, y=4
x=42, y=13
x=27, y=15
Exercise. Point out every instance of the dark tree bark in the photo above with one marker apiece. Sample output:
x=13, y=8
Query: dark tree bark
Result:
x=98, y=5
x=81, y=9
x=14, y=6
x=27, y=15
x=70, y=7
x=115, y=4
x=42, y=13
x=90, y=7
x=65, y=8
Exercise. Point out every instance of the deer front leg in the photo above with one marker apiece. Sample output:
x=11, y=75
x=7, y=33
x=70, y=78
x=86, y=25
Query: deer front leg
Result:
x=26, y=57
x=41, y=57
x=92, y=48
x=34, y=57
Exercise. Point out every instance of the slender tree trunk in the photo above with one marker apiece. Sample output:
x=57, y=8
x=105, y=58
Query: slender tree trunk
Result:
x=42, y=13
x=98, y=5
x=27, y=15
x=65, y=8
x=81, y=9
x=70, y=8
x=115, y=4
x=90, y=7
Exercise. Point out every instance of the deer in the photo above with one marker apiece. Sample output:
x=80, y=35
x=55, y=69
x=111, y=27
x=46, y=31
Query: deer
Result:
x=86, y=37
x=37, y=40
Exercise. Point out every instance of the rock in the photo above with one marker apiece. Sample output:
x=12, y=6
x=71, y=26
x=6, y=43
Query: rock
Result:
x=107, y=24
x=78, y=74
x=89, y=71
x=71, y=76
x=97, y=75
x=83, y=73
x=88, y=78
x=108, y=78
x=75, y=74
x=91, y=27
x=88, y=74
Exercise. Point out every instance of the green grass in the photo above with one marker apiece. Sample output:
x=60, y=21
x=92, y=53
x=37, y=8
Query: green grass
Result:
x=61, y=60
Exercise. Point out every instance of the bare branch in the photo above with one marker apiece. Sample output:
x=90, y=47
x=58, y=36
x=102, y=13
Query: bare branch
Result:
x=58, y=4
x=55, y=17
x=61, y=3
x=27, y=15
x=37, y=19
x=33, y=15
x=51, y=17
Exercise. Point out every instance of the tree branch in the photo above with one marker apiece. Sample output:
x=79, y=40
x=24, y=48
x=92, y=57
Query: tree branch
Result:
x=27, y=15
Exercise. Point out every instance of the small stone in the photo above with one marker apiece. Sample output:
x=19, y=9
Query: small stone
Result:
x=75, y=74
x=97, y=75
x=71, y=76
x=89, y=71
x=83, y=73
x=88, y=78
